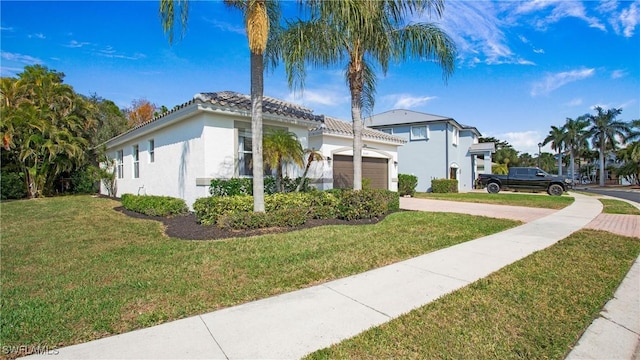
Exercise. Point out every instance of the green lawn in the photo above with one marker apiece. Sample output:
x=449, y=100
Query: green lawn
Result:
x=536, y=308
x=509, y=198
x=611, y=206
x=73, y=269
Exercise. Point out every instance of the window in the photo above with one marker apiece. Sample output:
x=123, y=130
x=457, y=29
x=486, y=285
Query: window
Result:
x=244, y=153
x=120, y=164
x=387, y=130
x=456, y=136
x=420, y=132
x=136, y=162
x=152, y=151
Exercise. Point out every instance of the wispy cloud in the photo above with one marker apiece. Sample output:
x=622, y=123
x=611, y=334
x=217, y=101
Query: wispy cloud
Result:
x=4, y=28
x=407, y=101
x=523, y=141
x=37, y=36
x=575, y=102
x=221, y=25
x=77, y=44
x=20, y=58
x=544, y=12
x=323, y=97
x=629, y=19
x=552, y=82
x=617, y=74
x=110, y=52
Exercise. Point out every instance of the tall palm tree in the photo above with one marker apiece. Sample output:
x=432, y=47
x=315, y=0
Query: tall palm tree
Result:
x=576, y=138
x=604, y=132
x=557, y=139
x=259, y=16
x=311, y=155
x=364, y=34
x=281, y=147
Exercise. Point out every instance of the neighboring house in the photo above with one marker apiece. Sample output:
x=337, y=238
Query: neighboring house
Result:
x=438, y=147
x=179, y=153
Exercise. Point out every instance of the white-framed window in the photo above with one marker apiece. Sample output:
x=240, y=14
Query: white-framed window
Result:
x=245, y=156
x=136, y=161
x=120, y=164
x=152, y=151
x=456, y=136
x=420, y=132
x=387, y=130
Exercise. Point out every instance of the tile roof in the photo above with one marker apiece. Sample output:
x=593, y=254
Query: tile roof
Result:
x=339, y=127
x=270, y=105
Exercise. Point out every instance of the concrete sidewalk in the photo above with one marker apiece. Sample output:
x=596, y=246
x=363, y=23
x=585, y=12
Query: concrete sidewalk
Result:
x=292, y=325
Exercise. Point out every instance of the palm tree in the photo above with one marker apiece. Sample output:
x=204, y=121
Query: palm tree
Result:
x=281, y=147
x=312, y=155
x=575, y=138
x=604, y=131
x=364, y=34
x=557, y=139
x=259, y=15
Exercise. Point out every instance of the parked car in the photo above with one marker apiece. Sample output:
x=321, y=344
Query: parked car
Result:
x=530, y=178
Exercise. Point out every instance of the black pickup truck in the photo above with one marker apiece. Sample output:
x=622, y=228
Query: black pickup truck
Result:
x=530, y=178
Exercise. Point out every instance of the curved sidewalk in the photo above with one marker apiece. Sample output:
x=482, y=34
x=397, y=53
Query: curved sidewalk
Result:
x=292, y=325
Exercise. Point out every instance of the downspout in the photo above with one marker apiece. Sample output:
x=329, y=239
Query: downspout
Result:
x=446, y=150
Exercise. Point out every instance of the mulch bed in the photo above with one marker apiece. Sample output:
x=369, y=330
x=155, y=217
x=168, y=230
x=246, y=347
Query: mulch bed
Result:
x=187, y=227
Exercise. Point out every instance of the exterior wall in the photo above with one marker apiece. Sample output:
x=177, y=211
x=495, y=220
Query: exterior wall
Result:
x=433, y=157
x=188, y=155
x=330, y=145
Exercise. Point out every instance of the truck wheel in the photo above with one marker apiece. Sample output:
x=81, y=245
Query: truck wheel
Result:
x=555, y=190
x=493, y=188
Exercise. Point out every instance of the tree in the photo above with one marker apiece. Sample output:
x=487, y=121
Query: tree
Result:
x=365, y=34
x=557, y=139
x=110, y=119
x=575, y=138
x=45, y=126
x=505, y=153
x=259, y=15
x=281, y=147
x=140, y=112
x=604, y=132
x=312, y=155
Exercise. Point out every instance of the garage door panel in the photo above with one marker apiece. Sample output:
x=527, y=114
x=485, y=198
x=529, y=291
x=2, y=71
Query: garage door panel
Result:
x=374, y=169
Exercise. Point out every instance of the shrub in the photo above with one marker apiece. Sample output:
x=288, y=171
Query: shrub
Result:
x=444, y=186
x=154, y=205
x=367, y=203
x=12, y=185
x=231, y=187
x=208, y=209
x=84, y=181
x=407, y=184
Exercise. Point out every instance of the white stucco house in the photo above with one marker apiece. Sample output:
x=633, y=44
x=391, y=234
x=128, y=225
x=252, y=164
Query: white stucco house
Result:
x=437, y=147
x=179, y=153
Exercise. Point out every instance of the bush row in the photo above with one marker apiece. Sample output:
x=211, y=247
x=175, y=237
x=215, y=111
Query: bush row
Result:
x=292, y=208
x=444, y=186
x=244, y=186
x=154, y=205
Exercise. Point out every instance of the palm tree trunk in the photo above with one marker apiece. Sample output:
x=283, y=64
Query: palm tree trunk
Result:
x=602, y=161
x=356, y=116
x=559, y=163
x=257, y=89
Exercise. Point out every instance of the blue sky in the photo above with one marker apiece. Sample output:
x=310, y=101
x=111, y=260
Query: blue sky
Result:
x=521, y=67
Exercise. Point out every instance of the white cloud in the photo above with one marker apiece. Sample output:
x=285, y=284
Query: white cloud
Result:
x=37, y=36
x=617, y=74
x=524, y=141
x=221, y=25
x=406, y=101
x=629, y=19
x=3, y=28
x=311, y=97
x=21, y=58
x=76, y=44
x=575, y=102
x=538, y=51
x=554, y=81
x=544, y=12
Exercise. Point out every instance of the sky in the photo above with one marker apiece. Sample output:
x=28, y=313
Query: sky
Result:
x=521, y=67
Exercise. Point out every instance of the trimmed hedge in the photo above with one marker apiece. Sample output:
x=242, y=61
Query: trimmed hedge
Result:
x=244, y=186
x=407, y=184
x=154, y=205
x=288, y=209
x=444, y=186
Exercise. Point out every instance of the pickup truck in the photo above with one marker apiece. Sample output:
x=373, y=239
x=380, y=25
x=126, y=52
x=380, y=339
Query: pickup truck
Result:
x=530, y=178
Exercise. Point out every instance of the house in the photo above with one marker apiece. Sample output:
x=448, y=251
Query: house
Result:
x=437, y=147
x=179, y=153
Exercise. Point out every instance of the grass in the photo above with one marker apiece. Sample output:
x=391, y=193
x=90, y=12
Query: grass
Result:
x=611, y=206
x=74, y=270
x=536, y=308
x=514, y=199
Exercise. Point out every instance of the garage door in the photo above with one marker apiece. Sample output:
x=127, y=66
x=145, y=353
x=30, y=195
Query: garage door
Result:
x=374, y=169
